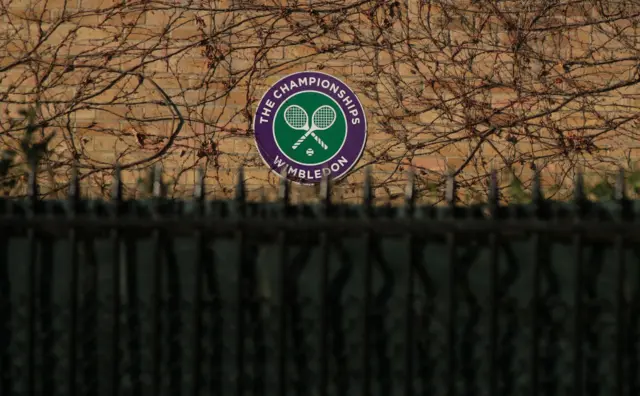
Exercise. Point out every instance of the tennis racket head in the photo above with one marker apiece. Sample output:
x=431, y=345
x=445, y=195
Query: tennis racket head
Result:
x=324, y=117
x=296, y=117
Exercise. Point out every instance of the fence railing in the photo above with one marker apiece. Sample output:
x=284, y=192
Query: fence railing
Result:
x=200, y=297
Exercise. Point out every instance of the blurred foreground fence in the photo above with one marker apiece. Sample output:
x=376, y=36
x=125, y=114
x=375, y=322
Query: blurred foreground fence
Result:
x=236, y=298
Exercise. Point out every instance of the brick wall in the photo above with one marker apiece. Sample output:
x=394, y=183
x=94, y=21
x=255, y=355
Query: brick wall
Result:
x=109, y=74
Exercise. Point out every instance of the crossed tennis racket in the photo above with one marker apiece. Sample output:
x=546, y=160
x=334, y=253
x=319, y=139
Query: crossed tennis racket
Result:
x=322, y=119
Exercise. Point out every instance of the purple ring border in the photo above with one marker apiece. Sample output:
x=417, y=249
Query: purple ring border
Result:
x=356, y=134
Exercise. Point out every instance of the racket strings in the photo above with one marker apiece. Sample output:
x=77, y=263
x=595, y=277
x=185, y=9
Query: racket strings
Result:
x=295, y=117
x=324, y=117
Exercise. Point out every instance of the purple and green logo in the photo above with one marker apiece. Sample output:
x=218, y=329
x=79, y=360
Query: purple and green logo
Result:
x=310, y=125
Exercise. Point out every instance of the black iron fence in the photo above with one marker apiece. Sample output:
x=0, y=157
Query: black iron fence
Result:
x=235, y=298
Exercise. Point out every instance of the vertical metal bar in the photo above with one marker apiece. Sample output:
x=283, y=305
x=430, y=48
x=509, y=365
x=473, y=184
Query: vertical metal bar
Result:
x=116, y=197
x=31, y=286
x=535, y=312
x=453, y=306
x=409, y=343
x=197, y=290
x=157, y=289
x=579, y=200
x=620, y=317
x=325, y=198
x=74, y=197
x=7, y=380
x=284, y=195
x=577, y=340
x=493, y=326
x=133, y=315
x=240, y=206
x=368, y=275
x=620, y=196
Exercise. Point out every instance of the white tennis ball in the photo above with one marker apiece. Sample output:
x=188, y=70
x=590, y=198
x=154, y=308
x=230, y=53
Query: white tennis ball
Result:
x=309, y=152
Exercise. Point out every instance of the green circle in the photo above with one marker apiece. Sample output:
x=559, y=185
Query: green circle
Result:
x=310, y=151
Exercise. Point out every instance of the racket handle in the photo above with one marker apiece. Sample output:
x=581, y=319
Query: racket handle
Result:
x=302, y=139
x=320, y=142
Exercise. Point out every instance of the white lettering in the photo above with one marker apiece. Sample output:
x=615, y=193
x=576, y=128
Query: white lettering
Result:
x=279, y=163
x=342, y=161
x=325, y=86
x=302, y=81
x=266, y=112
x=317, y=174
x=335, y=167
x=277, y=95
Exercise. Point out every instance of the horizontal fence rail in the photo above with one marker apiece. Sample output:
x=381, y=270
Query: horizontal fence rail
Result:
x=165, y=297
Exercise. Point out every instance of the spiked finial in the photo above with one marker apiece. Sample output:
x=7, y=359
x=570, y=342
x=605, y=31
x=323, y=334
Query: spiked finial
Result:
x=240, y=187
x=620, y=190
x=368, y=190
x=116, y=192
x=157, y=180
x=325, y=191
x=536, y=193
x=74, y=185
x=579, y=195
x=410, y=190
x=284, y=192
x=199, y=190
x=578, y=189
x=493, y=192
x=621, y=197
x=32, y=188
x=450, y=193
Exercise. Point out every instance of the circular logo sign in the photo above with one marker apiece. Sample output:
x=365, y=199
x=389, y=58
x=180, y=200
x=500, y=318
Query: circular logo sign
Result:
x=310, y=125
